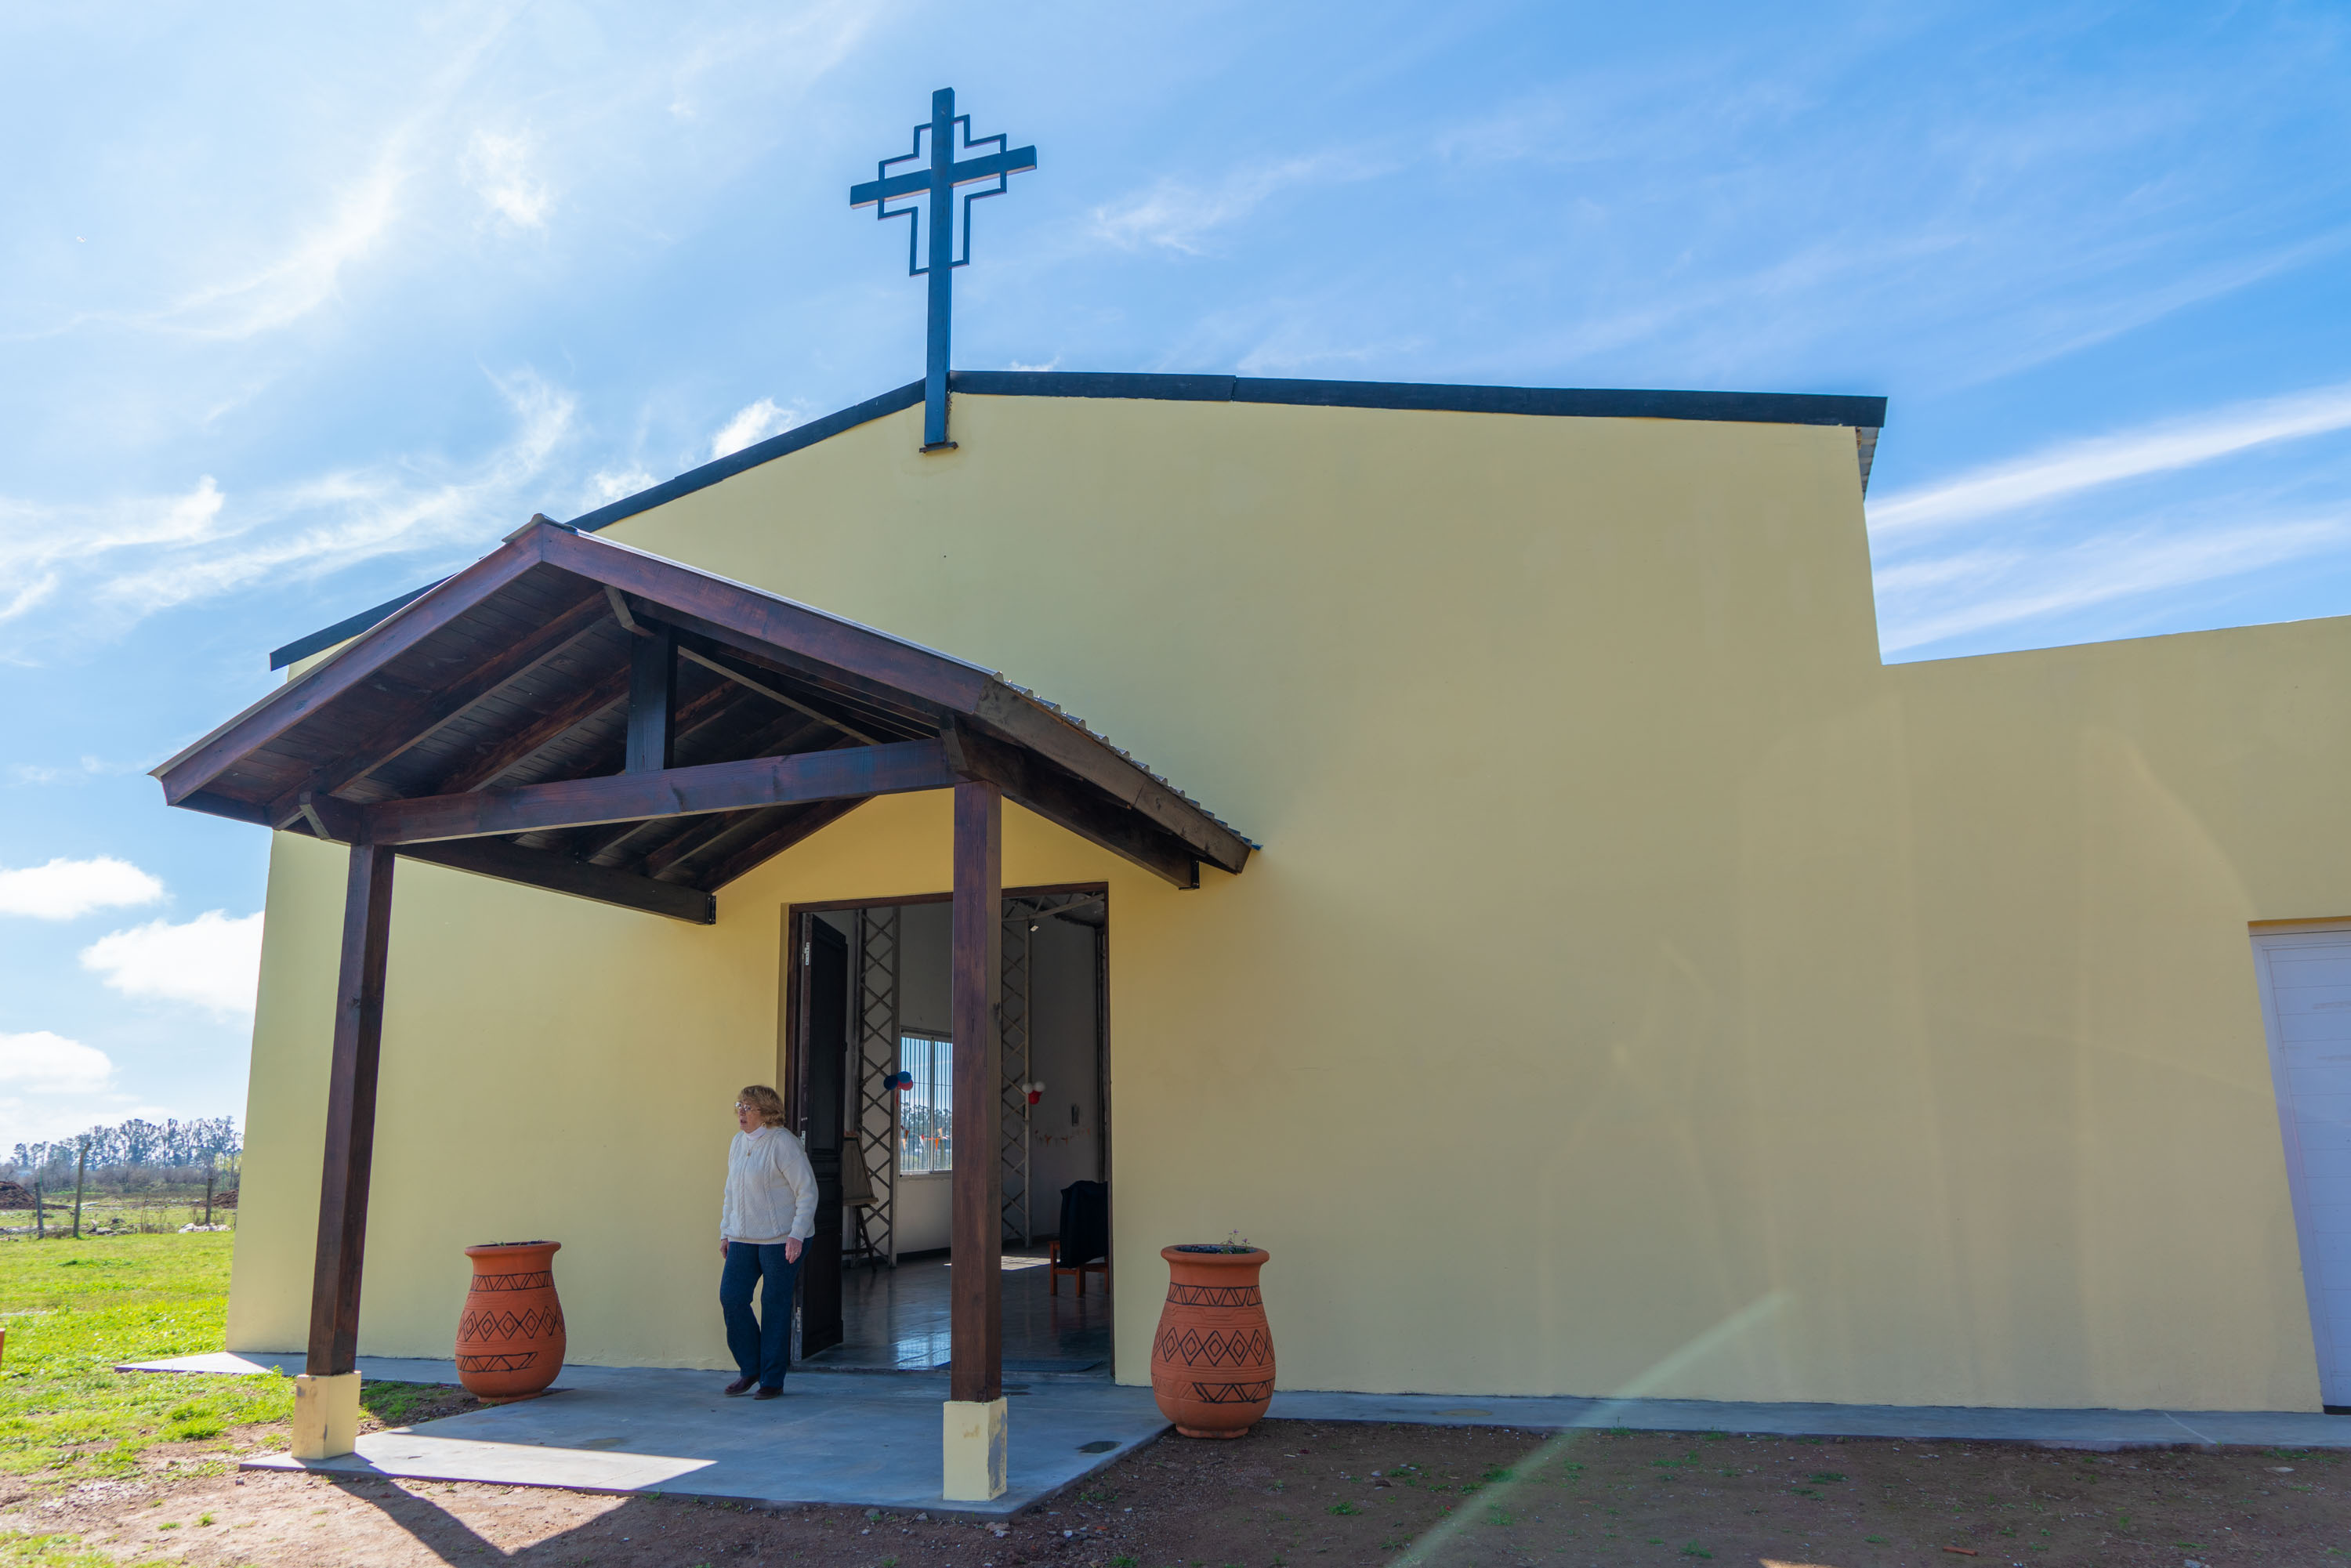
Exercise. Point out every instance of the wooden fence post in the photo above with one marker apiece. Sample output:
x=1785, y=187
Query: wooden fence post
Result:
x=81, y=1164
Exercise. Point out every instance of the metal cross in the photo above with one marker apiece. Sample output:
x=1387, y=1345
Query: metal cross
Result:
x=939, y=181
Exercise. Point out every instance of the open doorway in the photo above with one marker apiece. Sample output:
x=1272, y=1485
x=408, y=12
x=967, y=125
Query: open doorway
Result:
x=868, y=1073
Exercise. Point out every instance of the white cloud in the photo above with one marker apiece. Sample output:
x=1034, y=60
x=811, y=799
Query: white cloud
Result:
x=2077, y=465
x=63, y=889
x=498, y=169
x=212, y=961
x=45, y=1063
x=1175, y=216
x=757, y=422
x=609, y=485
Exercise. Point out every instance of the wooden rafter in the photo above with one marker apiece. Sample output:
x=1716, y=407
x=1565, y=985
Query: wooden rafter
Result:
x=542, y=731
x=289, y=705
x=802, y=824
x=421, y=714
x=561, y=873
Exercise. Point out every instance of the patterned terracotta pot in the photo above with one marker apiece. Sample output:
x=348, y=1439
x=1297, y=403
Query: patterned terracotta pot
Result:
x=510, y=1336
x=1212, y=1362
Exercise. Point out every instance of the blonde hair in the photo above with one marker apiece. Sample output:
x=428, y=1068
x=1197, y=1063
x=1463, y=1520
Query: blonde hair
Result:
x=767, y=1102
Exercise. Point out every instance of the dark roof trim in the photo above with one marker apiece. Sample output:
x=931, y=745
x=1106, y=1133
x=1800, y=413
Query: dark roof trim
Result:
x=1573, y=402
x=1863, y=413
x=349, y=626
x=751, y=456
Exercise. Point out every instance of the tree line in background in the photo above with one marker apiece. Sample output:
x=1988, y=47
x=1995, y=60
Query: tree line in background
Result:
x=133, y=1152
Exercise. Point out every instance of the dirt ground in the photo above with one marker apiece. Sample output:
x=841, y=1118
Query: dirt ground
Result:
x=1299, y=1493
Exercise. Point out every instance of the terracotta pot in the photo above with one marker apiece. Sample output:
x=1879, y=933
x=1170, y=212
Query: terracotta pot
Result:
x=510, y=1336
x=1212, y=1362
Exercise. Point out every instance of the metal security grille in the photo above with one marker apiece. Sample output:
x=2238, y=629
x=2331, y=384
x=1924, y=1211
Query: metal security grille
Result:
x=1016, y=1037
x=876, y=1125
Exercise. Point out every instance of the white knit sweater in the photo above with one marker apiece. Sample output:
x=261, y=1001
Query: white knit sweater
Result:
x=770, y=1190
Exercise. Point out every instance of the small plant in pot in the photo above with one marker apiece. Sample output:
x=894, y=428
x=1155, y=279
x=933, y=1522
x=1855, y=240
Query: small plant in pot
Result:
x=1212, y=1360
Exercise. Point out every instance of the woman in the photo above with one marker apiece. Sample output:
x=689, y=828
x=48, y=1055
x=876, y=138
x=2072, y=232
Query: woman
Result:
x=766, y=1219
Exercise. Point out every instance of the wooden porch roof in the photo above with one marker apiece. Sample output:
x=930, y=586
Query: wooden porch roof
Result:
x=581, y=716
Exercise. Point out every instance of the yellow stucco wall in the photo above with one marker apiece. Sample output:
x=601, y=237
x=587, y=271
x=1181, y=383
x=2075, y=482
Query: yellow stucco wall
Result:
x=1642, y=990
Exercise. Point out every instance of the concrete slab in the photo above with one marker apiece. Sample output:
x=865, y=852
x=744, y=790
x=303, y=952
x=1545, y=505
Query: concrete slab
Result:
x=834, y=1437
x=2071, y=1428
x=872, y=1440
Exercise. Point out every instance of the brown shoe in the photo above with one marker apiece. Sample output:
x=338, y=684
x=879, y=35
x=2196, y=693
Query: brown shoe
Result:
x=775, y=1392
x=741, y=1387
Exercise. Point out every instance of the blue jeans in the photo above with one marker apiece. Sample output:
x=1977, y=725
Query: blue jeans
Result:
x=762, y=1350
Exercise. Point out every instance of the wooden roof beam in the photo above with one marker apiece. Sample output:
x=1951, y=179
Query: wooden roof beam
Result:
x=812, y=776
x=1063, y=800
x=1026, y=722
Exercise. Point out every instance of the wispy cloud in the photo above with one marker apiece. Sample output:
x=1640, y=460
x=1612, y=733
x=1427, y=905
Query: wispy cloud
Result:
x=501, y=169
x=2071, y=467
x=755, y=422
x=88, y=767
x=1176, y=214
x=134, y=556
x=609, y=485
x=38, y=544
x=1925, y=602
x=288, y=287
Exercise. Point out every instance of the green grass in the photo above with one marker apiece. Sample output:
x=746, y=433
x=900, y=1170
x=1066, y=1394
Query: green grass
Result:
x=77, y=1308
x=18, y=1551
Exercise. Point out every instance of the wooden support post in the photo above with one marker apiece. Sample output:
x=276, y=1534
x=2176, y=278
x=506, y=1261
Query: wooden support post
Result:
x=976, y=1306
x=653, y=697
x=350, y=1114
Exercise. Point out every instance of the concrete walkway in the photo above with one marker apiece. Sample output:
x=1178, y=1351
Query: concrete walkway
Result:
x=865, y=1439
x=872, y=1440
x=2063, y=1428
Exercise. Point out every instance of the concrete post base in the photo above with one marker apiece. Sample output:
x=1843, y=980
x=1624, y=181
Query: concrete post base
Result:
x=975, y=1450
x=326, y=1415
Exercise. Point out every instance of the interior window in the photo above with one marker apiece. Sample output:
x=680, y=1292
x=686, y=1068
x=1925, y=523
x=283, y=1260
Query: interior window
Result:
x=927, y=1110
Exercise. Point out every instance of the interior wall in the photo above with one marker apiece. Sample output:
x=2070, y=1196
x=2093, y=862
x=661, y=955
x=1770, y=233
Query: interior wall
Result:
x=1062, y=1147
x=926, y=975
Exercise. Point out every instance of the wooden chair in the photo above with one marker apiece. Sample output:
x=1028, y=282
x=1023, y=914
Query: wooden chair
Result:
x=857, y=1196
x=1085, y=1231
x=1053, y=1261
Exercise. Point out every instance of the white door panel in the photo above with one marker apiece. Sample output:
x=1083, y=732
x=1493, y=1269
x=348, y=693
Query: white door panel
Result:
x=2306, y=984
x=2309, y=966
x=2316, y=1029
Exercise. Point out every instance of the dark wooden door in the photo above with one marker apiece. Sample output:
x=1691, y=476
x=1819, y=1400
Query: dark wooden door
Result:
x=824, y=1090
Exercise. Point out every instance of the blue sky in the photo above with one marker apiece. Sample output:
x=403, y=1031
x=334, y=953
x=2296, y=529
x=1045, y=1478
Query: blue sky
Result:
x=302, y=306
